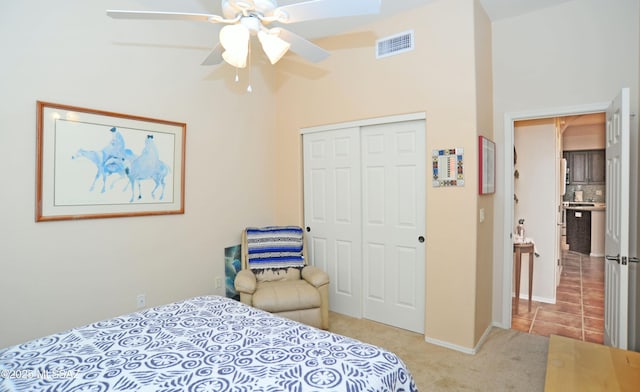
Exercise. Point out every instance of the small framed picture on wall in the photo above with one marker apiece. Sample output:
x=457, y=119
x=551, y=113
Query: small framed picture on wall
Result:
x=487, y=166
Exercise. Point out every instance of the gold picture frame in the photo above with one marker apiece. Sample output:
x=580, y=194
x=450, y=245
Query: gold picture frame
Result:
x=99, y=164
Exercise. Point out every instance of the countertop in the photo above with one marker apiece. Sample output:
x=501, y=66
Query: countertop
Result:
x=581, y=207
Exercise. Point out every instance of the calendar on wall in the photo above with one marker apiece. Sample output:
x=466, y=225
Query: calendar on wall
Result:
x=448, y=167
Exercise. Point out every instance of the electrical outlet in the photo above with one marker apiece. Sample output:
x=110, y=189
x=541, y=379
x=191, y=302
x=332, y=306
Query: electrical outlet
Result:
x=141, y=301
x=218, y=283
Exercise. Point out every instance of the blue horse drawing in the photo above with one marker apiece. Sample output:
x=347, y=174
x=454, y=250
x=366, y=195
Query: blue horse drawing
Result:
x=115, y=158
x=147, y=166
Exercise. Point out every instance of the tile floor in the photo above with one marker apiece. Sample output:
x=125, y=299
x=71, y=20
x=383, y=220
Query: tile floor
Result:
x=579, y=309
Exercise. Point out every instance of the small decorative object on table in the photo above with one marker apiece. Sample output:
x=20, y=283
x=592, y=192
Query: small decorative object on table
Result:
x=520, y=228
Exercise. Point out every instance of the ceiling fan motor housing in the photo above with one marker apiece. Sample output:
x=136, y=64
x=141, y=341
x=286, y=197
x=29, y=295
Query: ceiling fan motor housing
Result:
x=231, y=8
x=251, y=23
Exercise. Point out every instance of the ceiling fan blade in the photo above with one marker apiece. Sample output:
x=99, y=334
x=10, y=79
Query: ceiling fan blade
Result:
x=301, y=46
x=242, y=4
x=158, y=15
x=215, y=57
x=322, y=9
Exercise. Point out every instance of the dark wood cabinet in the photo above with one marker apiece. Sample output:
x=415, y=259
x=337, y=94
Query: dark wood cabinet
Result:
x=597, y=170
x=577, y=167
x=579, y=230
x=586, y=167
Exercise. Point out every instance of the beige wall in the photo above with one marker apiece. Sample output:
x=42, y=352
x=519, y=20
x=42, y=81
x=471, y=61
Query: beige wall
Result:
x=484, y=111
x=438, y=78
x=57, y=275
x=578, y=53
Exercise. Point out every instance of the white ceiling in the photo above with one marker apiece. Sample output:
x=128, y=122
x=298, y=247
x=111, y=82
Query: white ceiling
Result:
x=502, y=9
x=496, y=9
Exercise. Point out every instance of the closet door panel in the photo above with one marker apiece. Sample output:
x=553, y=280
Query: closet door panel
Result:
x=375, y=191
x=407, y=266
x=375, y=256
x=344, y=279
x=394, y=200
x=332, y=213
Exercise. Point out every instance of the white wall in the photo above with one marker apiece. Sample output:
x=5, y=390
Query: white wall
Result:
x=537, y=192
x=57, y=275
x=577, y=53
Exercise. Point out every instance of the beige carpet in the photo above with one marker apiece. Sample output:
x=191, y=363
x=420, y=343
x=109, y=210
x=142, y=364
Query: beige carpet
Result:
x=507, y=361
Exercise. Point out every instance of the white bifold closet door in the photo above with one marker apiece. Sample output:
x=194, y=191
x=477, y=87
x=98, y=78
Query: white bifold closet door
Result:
x=364, y=193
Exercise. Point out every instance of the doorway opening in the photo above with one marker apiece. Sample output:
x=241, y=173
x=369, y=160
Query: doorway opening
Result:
x=555, y=251
x=562, y=209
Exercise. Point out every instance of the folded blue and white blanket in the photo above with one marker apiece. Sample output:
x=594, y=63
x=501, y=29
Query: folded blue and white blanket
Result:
x=275, y=247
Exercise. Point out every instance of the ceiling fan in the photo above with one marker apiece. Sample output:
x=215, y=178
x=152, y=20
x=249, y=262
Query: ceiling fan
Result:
x=247, y=18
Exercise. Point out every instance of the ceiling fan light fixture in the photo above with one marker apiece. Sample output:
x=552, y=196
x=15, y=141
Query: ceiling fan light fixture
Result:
x=235, y=40
x=237, y=59
x=274, y=47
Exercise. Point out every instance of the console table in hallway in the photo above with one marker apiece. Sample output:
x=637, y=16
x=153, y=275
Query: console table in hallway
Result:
x=518, y=250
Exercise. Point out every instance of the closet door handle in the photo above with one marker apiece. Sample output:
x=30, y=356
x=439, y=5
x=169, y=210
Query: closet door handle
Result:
x=421, y=239
x=308, y=229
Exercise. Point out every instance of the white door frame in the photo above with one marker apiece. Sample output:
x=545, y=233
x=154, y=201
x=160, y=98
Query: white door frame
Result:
x=507, y=224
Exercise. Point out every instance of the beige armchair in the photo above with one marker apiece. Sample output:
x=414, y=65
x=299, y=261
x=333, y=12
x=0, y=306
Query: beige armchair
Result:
x=275, y=276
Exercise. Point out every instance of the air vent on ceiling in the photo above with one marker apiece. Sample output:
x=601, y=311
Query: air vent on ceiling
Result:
x=395, y=44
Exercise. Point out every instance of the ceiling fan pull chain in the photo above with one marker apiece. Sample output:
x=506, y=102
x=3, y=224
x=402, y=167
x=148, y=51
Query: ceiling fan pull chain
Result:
x=249, y=89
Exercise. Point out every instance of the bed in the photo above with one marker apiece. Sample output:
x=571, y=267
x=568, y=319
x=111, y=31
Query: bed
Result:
x=203, y=344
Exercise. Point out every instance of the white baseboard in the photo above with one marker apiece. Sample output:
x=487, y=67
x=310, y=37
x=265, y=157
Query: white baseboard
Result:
x=482, y=339
x=462, y=349
x=546, y=300
x=500, y=325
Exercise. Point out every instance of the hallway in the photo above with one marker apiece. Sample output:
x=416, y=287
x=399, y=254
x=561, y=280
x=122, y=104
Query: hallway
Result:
x=579, y=309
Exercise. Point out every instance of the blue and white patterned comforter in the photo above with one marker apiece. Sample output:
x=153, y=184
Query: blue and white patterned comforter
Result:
x=202, y=344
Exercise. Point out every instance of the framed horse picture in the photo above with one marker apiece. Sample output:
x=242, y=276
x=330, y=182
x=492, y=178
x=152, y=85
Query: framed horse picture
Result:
x=98, y=164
